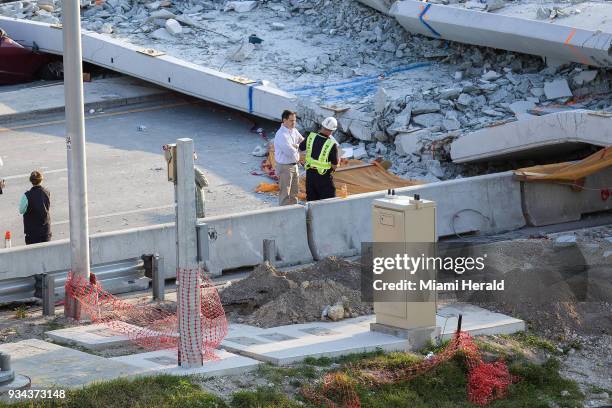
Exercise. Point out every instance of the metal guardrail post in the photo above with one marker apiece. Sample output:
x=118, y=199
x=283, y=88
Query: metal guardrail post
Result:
x=269, y=250
x=48, y=294
x=159, y=277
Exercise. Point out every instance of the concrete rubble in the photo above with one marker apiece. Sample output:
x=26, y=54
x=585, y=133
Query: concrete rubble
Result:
x=400, y=96
x=548, y=135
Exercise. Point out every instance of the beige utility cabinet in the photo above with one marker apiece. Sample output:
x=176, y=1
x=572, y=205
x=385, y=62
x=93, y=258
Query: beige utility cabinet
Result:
x=401, y=220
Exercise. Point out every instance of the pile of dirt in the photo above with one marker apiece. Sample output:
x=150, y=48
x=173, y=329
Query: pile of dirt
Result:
x=269, y=298
x=558, y=291
x=262, y=285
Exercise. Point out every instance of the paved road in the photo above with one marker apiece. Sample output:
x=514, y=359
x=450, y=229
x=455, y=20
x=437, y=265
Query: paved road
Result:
x=125, y=167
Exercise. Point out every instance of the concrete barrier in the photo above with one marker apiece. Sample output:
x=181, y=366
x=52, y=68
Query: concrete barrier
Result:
x=549, y=203
x=238, y=243
x=24, y=261
x=485, y=204
x=132, y=243
x=237, y=239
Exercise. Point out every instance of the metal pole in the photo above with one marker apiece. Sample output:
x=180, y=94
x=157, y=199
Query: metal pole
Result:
x=75, y=146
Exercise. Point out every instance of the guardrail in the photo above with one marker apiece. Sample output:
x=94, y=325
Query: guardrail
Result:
x=116, y=277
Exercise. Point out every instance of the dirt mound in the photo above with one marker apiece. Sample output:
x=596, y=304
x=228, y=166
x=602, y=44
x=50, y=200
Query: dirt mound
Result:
x=262, y=285
x=558, y=291
x=339, y=270
x=305, y=304
x=269, y=298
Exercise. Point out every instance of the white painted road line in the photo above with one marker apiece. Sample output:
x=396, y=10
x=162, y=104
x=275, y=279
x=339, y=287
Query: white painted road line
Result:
x=28, y=174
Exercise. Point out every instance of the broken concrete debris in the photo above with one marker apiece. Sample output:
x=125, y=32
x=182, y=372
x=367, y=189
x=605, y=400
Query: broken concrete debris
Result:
x=360, y=152
x=240, y=6
x=173, y=27
x=397, y=94
x=556, y=89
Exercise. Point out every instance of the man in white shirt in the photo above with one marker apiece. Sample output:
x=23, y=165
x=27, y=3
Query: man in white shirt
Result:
x=287, y=155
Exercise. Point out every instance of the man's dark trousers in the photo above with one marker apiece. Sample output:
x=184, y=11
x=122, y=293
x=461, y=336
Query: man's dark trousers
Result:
x=319, y=187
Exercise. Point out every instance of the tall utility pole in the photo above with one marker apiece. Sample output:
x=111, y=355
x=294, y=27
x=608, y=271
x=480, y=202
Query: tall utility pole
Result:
x=75, y=147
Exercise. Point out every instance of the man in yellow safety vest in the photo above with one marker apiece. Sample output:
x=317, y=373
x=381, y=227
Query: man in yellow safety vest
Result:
x=320, y=162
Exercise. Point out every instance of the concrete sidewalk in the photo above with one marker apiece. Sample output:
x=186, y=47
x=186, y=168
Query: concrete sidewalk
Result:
x=25, y=103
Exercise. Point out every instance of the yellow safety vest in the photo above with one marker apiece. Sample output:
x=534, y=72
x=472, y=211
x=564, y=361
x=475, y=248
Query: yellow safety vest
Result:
x=322, y=163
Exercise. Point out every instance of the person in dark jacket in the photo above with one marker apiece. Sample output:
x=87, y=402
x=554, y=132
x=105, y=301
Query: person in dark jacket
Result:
x=34, y=206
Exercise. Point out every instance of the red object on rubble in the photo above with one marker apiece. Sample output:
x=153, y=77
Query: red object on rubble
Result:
x=17, y=63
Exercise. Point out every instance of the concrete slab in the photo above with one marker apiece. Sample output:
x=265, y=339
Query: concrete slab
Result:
x=172, y=73
x=91, y=337
x=540, y=135
x=32, y=101
x=100, y=336
x=476, y=321
x=53, y=366
x=165, y=362
x=578, y=42
x=289, y=344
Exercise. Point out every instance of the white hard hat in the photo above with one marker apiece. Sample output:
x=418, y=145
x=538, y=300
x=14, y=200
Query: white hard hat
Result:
x=330, y=123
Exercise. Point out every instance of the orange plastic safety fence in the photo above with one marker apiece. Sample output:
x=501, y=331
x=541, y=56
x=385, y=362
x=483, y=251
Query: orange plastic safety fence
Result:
x=486, y=381
x=148, y=325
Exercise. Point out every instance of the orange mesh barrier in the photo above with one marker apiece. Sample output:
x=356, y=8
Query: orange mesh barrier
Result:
x=486, y=381
x=151, y=326
x=567, y=172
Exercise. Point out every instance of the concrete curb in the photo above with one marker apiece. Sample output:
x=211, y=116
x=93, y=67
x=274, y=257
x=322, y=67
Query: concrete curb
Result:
x=111, y=103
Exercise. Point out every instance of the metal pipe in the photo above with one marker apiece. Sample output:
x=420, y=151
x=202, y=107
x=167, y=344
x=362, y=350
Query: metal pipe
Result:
x=75, y=147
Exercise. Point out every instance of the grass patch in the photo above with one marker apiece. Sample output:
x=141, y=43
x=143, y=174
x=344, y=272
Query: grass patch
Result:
x=541, y=386
x=530, y=340
x=545, y=385
x=319, y=362
x=278, y=375
x=53, y=325
x=432, y=347
x=162, y=391
x=21, y=312
x=264, y=397
x=445, y=387
x=347, y=359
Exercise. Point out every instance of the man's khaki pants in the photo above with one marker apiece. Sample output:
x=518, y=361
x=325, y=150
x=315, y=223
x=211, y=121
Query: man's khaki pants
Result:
x=288, y=183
